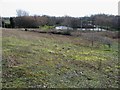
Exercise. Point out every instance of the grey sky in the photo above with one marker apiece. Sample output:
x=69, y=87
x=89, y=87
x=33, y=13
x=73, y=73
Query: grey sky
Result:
x=76, y=8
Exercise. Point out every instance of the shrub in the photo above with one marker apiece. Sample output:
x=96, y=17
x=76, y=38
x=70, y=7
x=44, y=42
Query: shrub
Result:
x=46, y=27
x=67, y=32
x=97, y=38
x=25, y=22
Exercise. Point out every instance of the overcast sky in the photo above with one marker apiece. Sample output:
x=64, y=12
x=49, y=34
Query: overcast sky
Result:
x=75, y=8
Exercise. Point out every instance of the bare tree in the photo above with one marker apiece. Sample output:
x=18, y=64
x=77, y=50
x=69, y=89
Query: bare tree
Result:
x=0, y=21
x=22, y=13
x=43, y=20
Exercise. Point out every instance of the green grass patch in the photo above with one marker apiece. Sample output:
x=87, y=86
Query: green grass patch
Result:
x=46, y=27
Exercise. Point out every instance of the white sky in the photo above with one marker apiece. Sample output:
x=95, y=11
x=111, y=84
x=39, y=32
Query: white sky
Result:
x=76, y=8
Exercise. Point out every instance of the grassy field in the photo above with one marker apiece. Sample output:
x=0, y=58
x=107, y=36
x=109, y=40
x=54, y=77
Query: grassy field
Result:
x=41, y=60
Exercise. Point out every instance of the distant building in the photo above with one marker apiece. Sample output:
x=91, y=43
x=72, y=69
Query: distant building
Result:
x=63, y=28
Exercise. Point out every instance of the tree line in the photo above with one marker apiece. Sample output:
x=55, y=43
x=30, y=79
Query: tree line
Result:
x=24, y=20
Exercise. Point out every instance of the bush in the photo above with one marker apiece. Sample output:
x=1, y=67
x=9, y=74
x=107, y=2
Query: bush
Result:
x=67, y=32
x=97, y=38
x=25, y=22
x=46, y=27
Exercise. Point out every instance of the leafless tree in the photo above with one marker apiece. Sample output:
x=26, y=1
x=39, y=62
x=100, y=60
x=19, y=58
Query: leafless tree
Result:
x=22, y=13
x=0, y=21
